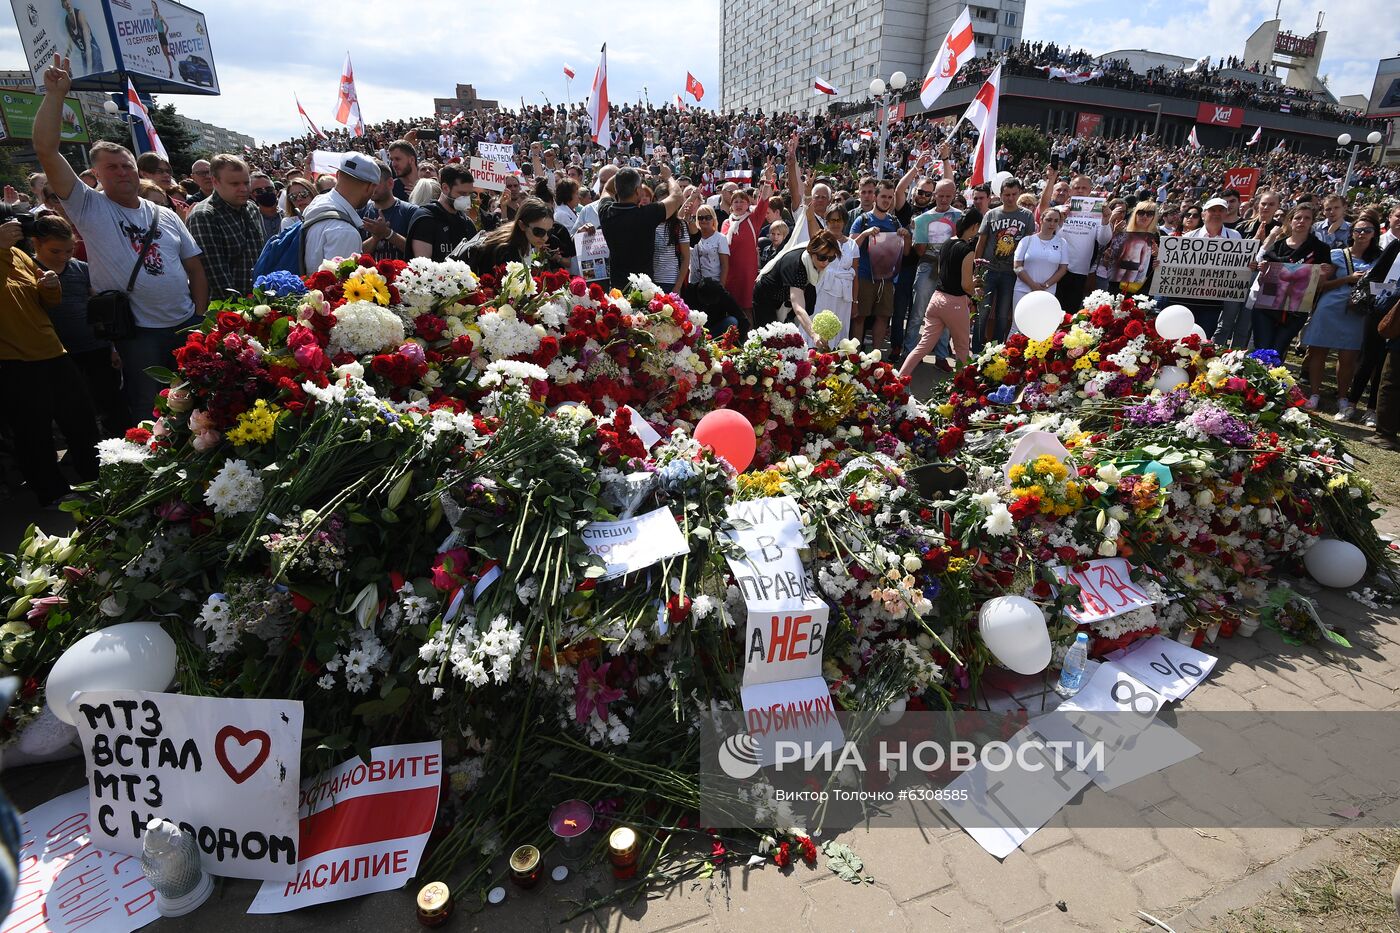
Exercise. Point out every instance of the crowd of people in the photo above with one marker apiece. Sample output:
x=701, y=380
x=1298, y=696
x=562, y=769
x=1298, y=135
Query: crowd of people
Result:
x=750, y=217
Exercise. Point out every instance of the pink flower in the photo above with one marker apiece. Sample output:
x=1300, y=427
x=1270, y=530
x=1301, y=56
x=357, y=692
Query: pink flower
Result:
x=593, y=693
x=206, y=440
x=40, y=608
x=179, y=400
x=201, y=421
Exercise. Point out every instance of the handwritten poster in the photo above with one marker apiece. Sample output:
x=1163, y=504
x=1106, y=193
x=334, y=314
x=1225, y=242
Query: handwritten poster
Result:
x=635, y=543
x=1212, y=268
x=1106, y=589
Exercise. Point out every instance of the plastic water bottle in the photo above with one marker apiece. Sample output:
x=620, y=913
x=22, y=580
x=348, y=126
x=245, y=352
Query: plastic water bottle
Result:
x=1072, y=673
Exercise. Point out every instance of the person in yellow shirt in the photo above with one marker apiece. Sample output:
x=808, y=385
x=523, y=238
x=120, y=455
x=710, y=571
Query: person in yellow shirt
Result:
x=39, y=385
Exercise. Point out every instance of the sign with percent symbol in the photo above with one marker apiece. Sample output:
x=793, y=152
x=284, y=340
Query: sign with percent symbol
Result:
x=1167, y=666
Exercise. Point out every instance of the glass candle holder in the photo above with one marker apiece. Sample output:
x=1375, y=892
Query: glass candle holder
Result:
x=569, y=822
x=622, y=852
x=525, y=866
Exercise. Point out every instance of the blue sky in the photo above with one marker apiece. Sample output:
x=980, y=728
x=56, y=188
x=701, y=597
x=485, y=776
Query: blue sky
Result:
x=265, y=50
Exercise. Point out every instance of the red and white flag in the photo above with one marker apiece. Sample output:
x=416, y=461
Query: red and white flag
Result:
x=680, y=104
x=982, y=113
x=347, y=106
x=956, y=50
x=694, y=88
x=1191, y=139
x=599, y=118
x=448, y=124
x=1279, y=148
x=568, y=72
x=1258, y=134
x=821, y=87
x=866, y=132
x=138, y=110
x=320, y=133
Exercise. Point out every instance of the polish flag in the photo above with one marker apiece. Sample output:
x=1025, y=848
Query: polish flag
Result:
x=320, y=133
x=568, y=72
x=599, y=118
x=694, y=88
x=1258, y=134
x=821, y=87
x=138, y=110
x=347, y=110
x=982, y=113
x=957, y=49
x=1191, y=139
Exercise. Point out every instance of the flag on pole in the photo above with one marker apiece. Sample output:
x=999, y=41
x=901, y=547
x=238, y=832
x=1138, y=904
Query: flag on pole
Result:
x=599, y=119
x=680, y=104
x=568, y=72
x=866, y=133
x=1279, y=148
x=821, y=87
x=347, y=107
x=1191, y=139
x=320, y=133
x=957, y=48
x=135, y=108
x=694, y=88
x=982, y=113
x=1258, y=133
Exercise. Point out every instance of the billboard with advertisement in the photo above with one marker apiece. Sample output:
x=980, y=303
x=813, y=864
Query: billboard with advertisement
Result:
x=163, y=44
x=74, y=29
x=1220, y=115
x=1087, y=124
x=1243, y=180
x=164, y=40
x=18, y=109
x=1385, y=92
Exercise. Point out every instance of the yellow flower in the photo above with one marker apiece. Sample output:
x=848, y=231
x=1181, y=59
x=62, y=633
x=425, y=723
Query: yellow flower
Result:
x=764, y=483
x=1036, y=349
x=1282, y=375
x=1337, y=482
x=1018, y=472
x=957, y=565
x=1050, y=465
x=357, y=289
x=945, y=410
x=255, y=426
x=996, y=369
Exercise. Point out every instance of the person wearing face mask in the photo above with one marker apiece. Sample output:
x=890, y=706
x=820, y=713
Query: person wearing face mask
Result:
x=388, y=219
x=444, y=223
x=264, y=196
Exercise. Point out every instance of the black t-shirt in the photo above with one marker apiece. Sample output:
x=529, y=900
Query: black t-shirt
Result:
x=770, y=292
x=950, y=268
x=443, y=228
x=630, y=231
x=1312, y=250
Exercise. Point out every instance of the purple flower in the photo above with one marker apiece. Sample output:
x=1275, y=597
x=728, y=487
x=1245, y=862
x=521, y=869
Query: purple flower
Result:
x=412, y=352
x=1214, y=421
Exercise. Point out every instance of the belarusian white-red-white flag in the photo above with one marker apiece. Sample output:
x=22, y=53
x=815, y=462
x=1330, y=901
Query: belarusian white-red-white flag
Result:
x=135, y=108
x=1191, y=139
x=568, y=72
x=694, y=88
x=1258, y=135
x=1279, y=148
x=680, y=104
x=599, y=117
x=347, y=105
x=957, y=48
x=822, y=87
x=982, y=113
x=320, y=133
x=865, y=132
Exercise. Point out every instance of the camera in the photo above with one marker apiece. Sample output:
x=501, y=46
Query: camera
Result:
x=26, y=219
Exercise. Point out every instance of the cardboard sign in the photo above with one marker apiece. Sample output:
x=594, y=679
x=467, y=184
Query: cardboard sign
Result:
x=489, y=175
x=790, y=711
x=785, y=644
x=1083, y=219
x=321, y=162
x=496, y=152
x=592, y=253
x=771, y=574
x=1106, y=589
x=1213, y=268
x=225, y=770
x=67, y=884
x=363, y=827
x=1166, y=665
x=635, y=543
x=1243, y=180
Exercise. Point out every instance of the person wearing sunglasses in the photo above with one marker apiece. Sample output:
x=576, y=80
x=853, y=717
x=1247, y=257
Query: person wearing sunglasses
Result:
x=524, y=240
x=792, y=279
x=298, y=194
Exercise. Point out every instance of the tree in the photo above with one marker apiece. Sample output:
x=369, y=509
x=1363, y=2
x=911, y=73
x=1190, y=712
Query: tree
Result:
x=179, y=142
x=1022, y=141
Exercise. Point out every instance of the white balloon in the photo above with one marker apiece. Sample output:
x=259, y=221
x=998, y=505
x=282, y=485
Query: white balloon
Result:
x=998, y=180
x=1335, y=563
x=1038, y=315
x=1013, y=629
x=1199, y=331
x=1175, y=322
x=1169, y=377
x=130, y=656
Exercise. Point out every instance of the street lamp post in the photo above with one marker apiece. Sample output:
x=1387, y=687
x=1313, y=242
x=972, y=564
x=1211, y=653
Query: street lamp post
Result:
x=1156, y=124
x=882, y=98
x=1343, y=141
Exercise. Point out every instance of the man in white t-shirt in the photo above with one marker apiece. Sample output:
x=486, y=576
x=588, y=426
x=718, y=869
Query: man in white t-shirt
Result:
x=170, y=292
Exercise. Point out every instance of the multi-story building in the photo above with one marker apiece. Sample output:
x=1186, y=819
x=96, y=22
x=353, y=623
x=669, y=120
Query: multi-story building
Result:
x=214, y=139
x=844, y=42
x=448, y=107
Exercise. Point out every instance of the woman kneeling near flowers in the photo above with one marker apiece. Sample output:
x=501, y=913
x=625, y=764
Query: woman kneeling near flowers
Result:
x=951, y=304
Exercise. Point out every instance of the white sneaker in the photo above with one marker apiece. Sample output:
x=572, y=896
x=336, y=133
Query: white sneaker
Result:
x=1312, y=403
x=1344, y=410
x=1369, y=419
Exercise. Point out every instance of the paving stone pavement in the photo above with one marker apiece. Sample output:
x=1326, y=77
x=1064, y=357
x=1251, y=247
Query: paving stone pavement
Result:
x=935, y=877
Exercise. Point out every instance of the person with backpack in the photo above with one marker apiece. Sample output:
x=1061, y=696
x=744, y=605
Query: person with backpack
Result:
x=330, y=227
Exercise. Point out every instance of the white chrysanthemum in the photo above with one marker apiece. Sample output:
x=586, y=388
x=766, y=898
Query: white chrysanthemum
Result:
x=235, y=489
x=120, y=450
x=999, y=521
x=504, y=335
x=363, y=327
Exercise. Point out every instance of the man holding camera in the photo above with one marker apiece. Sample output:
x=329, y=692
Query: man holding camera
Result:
x=168, y=291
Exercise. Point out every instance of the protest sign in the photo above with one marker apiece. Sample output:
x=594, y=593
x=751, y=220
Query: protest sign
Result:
x=770, y=574
x=635, y=543
x=798, y=711
x=1207, y=268
x=225, y=771
x=363, y=827
x=490, y=175
x=322, y=162
x=1165, y=665
x=1286, y=286
x=68, y=884
x=592, y=251
x=1087, y=124
x=785, y=644
x=496, y=152
x=1243, y=180
x=1083, y=220
x=1106, y=589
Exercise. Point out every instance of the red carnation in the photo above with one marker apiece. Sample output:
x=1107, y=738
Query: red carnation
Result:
x=138, y=435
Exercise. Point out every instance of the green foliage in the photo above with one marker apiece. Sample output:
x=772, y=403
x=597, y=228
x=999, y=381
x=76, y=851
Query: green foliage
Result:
x=179, y=142
x=13, y=172
x=1022, y=141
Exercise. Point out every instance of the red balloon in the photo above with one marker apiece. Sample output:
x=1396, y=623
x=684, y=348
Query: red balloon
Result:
x=730, y=435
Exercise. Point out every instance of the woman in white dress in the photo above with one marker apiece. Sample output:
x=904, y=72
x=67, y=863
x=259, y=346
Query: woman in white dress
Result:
x=837, y=290
x=1043, y=259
